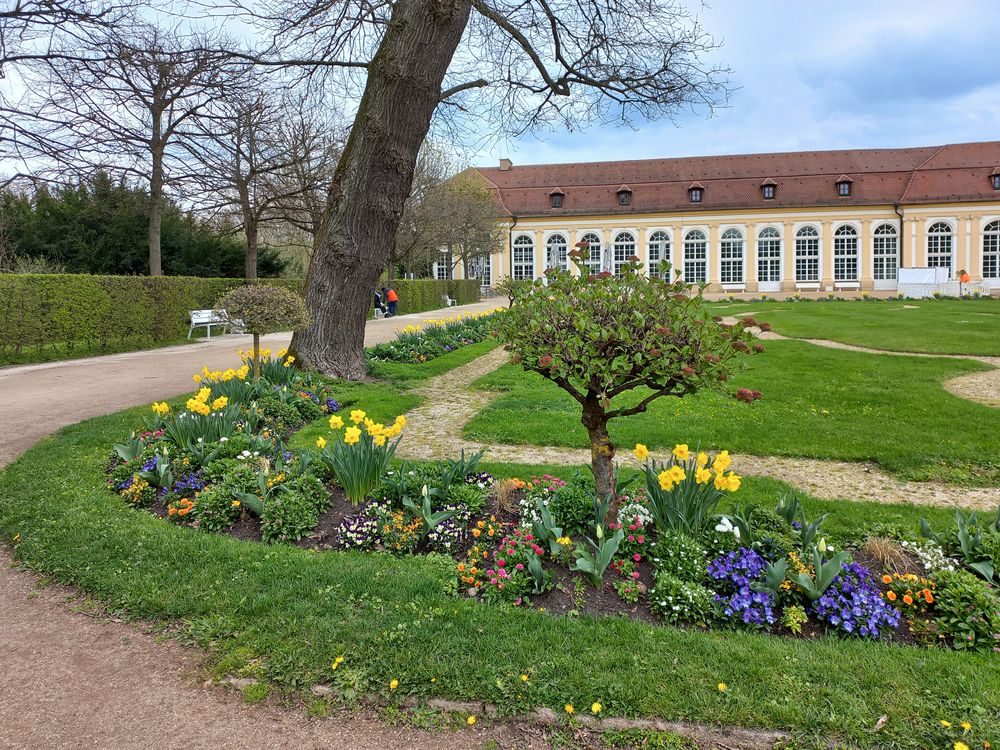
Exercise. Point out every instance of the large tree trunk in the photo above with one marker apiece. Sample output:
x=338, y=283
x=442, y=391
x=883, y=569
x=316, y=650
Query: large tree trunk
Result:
x=602, y=452
x=372, y=181
x=250, y=269
x=155, y=210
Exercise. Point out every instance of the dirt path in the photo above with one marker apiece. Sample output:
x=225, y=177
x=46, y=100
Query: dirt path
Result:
x=70, y=680
x=450, y=404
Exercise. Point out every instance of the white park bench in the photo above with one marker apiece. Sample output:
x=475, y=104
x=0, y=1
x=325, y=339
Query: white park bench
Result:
x=448, y=301
x=208, y=318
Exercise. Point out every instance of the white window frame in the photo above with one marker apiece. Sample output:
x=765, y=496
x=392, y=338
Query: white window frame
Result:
x=624, y=246
x=885, y=255
x=990, y=247
x=563, y=260
x=664, y=247
x=592, y=265
x=846, y=252
x=935, y=241
x=482, y=271
x=695, y=261
x=732, y=239
x=807, y=283
x=517, y=267
x=769, y=284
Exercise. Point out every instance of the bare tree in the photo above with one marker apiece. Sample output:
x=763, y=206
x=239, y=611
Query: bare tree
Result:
x=505, y=64
x=470, y=217
x=123, y=108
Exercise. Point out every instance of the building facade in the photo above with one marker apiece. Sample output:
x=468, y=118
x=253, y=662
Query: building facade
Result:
x=799, y=223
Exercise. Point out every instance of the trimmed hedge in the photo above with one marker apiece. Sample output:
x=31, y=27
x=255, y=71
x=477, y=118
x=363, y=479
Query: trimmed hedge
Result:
x=417, y=295
x=60, y=316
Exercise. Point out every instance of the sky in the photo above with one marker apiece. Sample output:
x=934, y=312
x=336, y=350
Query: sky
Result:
x=819, y=75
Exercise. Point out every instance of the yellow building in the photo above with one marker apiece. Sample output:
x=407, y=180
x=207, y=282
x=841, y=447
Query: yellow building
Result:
x=788, y=223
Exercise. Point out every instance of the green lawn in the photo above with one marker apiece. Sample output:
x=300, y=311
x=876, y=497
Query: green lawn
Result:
x=818, y=403
x=945, y=326
x=281, y=614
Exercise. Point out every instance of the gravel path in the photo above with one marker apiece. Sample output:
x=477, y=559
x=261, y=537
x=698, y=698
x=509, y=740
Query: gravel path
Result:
x=450, y=404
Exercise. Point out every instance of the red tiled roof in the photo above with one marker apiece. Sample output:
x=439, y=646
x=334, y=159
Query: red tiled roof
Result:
x=932, y=174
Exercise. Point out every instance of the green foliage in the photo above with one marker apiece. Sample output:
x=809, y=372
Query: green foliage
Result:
x=968, y=610
x=793, y=617
x=361, y=466
x=214, y=509
x=677, y=601
x=594, y=557
x=546, y=530
x=288, y=516
x=813, y=586
x=679, y=555
x=966, y=540
x=425, y=510
x=469, y=495
x=101, y=226
x=265, y=309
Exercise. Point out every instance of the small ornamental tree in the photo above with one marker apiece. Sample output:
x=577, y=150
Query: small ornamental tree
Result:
x=264, y=309
x=600, y=336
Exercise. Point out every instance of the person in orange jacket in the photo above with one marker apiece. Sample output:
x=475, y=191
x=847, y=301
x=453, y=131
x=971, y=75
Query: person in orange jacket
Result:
x=393, y=299
x=963, y=279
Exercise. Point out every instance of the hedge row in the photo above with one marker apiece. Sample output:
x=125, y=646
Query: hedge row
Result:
x=57, y=316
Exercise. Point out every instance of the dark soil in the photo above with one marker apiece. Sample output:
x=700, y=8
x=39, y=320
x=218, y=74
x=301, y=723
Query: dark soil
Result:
x=569, y=598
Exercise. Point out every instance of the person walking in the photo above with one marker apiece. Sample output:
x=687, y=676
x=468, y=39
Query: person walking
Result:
x=379, y=307
x=393, y=299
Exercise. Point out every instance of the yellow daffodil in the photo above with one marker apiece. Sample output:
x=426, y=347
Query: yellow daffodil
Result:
x=702, y=459
x=595, y=708
x=289, y=360
x=666, y=480
x=702, y=476
x=357, y=416
x=161, y=409
x=321, y=442
x=336, y=422
x=720, y=482
x=682, y=452
x=568, y=708
x=959, y=745
x=677, y=473
x=379, y=439
x=220, y=403
x=723, y=687
x=721, y=462
x=352, y=435
x=393, y=684
x=401, y=421
x=732, y=482
x=204, y=394
x=196, y=378
x=641, y=452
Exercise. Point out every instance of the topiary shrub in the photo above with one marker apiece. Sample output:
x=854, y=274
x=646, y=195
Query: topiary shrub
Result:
x=264, y=309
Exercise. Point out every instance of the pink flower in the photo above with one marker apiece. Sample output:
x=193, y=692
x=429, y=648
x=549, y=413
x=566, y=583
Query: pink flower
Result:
x=631, y=527
x=519, y=566
x=635, y=575
x=637, y=557
x=631, y=537
x=501, y=562
x=641, y=539
x=528, y=537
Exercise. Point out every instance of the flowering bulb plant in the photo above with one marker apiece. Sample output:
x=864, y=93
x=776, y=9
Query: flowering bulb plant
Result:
x=360, y=458
x=685, y=490
x=854, y=604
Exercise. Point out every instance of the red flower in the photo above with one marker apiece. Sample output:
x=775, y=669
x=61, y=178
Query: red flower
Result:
x=747, y=395
x=749, y=321
x=741, y=346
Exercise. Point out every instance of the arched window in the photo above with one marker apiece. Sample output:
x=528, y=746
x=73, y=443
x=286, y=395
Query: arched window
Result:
x=845, y=253
x=593, y=262
x=768, y=255
x=523, y=257
x=556, y=252
x=731, y=257
x=624, y=248
x=807, y=254
x=659, y=250
x=991, y=250
x=695, y=257
x=885, y=252
x=939, y=245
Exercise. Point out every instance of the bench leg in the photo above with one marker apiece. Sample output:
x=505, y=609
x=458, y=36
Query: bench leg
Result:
x=190, y=330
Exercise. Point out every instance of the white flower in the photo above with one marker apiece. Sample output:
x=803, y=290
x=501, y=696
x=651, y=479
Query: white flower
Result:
x=725, y=525
x=736, y=531
x=223, y=440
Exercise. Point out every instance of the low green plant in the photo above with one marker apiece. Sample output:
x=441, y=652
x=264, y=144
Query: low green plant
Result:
x=469, y=495
x=790, y=509
x=675, y=600
x=965, y=539
x=774, y=576
x=814, y=585
x=425, y=510
x=131, y=449
x=161, y=474
x=793, y=618
x=217, y=508
x=287, y=516
x=546, y=529
x=594, y=557
x=678, y=554
x=968, y=610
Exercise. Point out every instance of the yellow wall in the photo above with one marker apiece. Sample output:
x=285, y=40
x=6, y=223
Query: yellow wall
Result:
x=967, y=221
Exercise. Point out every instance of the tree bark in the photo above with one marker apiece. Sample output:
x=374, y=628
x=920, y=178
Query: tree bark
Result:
x=250, y=269
x=373, y=179
x=602, y=452
x=155, y=202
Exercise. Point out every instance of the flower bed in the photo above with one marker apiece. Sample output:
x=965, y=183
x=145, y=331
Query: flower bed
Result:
x=662, y=552
x=421, y=342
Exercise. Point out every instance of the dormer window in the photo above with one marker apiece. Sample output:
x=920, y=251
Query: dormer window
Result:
x=768, y=189
x=695, y=192
x=844, y=186
x=995, y=179
x=556, y=198
x=624, y=196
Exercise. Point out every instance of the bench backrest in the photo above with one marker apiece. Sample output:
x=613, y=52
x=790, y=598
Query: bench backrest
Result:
x=201, y=317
